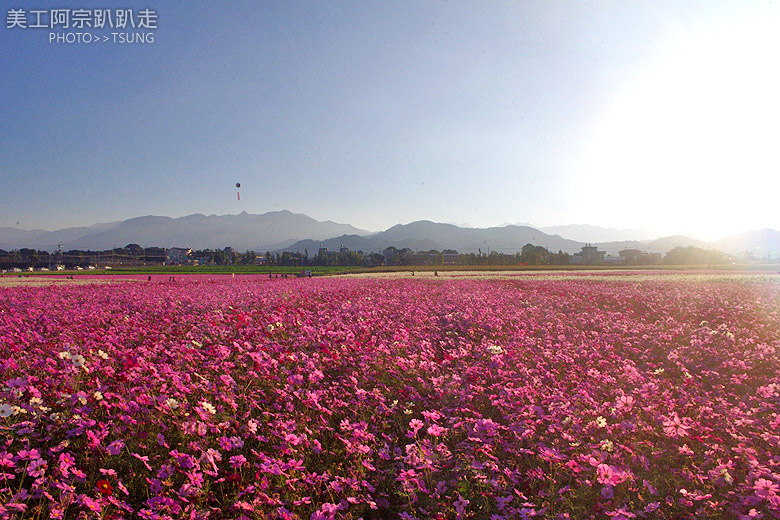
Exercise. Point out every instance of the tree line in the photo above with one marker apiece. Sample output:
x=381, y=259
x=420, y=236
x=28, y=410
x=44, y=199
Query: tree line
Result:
x=135, y=255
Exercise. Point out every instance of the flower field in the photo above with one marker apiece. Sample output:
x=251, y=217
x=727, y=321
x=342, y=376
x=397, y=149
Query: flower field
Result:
x=524, y=397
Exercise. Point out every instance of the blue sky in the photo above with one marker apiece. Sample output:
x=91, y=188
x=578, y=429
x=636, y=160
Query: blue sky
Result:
x=644, y=114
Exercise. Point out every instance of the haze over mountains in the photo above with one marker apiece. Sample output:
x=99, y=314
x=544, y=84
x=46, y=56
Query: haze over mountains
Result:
x=284, y=230
x=588, y=233
x=269, y=231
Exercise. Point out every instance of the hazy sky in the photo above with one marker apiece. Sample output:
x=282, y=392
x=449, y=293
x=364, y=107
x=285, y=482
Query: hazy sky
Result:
x=651, y=114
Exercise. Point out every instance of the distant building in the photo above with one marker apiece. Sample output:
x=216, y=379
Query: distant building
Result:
x=178, y=255
x=343, y=249
x=630, y=256
x=638, y=257
x=230, y=254
x=450, y=258
x=590, y=255
x=323, y=250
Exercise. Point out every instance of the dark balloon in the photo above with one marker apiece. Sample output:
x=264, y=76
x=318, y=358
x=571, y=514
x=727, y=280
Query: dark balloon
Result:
x=238, y=185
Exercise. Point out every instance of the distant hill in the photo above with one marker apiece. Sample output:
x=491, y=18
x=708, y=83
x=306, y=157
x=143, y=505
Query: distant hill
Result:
x=760, y=243
x=659, y=245
x=269, y=231
x=287, y=231
x=425, y=235
x=12, y=238
x=596, y=234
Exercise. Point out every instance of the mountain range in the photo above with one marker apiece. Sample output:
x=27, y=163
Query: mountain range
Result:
x=287, y=231
x=269, y=231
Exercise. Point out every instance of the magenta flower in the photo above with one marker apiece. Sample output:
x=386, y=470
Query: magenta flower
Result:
x=625, y=403
x=608, y=386
x=6, y=460
x=115, y=448
x=610, y=475
x=435, y=430
x=765, y=488
x=236, y=461
x=66, y=461
x=676, y=427
x=460, y=505
x=37, y=468
x=414, y=427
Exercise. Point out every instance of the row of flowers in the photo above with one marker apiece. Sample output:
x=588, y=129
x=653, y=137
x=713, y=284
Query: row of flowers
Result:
x=331, y=398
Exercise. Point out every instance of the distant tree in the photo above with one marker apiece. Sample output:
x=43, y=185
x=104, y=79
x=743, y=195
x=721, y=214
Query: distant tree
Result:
x=535, y=255
x=375, y=259
x=405, y=256
x=560, y=258
x=695, y=256
x=248, y=258
x=134, y=249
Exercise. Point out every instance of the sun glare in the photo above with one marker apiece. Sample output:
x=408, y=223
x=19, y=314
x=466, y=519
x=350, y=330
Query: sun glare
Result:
x=691, y=143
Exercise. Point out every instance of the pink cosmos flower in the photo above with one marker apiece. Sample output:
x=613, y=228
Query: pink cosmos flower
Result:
x=32, y=454
x=66, y=461
x=414, y=427
x=89, y=503
x=7, y=460
x=676, y=427
x=625, y=403
x=329, y=509
x=115, y=448
x=460, y=505
x=37, y=468
x=236, y=461
x=435, y=430
x=621, y=514
x=144, y=459
x=765, y=488
x=610, y=475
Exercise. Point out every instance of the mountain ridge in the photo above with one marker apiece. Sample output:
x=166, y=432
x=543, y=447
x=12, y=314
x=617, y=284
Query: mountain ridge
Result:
x=287, y=231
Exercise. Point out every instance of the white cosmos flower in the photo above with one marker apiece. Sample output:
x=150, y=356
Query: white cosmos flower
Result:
x=495, y=349
x=6, y=410
x=78, y=360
